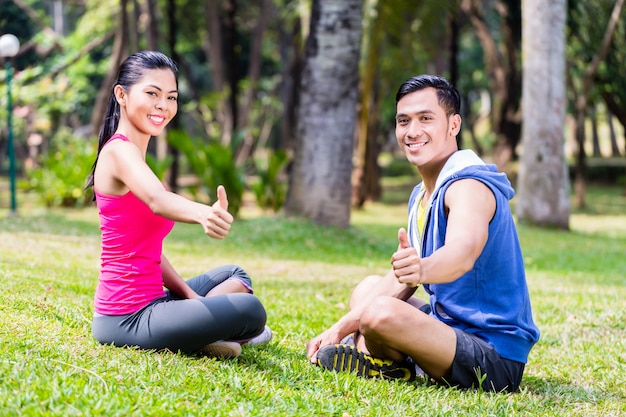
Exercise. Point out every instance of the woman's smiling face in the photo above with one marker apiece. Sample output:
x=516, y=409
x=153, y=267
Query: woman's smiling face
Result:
x=150, y=104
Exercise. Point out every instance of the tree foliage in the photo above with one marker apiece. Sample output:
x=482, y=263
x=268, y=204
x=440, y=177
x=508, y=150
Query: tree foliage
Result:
x=241, y=66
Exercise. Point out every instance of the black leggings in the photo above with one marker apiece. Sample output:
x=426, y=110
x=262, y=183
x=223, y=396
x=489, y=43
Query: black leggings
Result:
x=188, y=325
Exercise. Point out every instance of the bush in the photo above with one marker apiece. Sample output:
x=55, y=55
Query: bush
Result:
x=60, y=179
x=270, y=189
x=214, y=165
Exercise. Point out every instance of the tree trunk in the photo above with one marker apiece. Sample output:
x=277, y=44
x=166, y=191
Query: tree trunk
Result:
x=212, y=47
x=320, y=187
x=364, y=173
x=133, y=26
x=583, y=99
x=254, y=73
x=580, y=169
x=614, y=147
x=595, y=137
x=372, y=172
x=152, y=31
x=453, y=60
x=502, y=70
x=469, y=124
x=543, y=197
x=173, y=152
x=366, y=177
x=291, y=54
x=616, y=110
x=231, y=48
x=117, y=56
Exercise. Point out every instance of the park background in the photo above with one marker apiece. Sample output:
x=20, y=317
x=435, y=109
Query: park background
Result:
x=290, y=105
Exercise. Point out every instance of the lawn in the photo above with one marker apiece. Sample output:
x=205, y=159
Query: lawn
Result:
x=51, y=365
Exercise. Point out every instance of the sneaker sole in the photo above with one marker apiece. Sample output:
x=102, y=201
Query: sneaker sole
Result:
x=346, y=358
x=222, y=350
x=262, y=339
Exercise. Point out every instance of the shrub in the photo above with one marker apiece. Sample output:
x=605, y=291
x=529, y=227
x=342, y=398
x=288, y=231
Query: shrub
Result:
x=270, y=188
x=214, y=165
x=60, y=179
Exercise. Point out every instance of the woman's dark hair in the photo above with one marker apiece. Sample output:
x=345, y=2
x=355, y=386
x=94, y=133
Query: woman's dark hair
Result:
x=448, y=96
x=129, y=73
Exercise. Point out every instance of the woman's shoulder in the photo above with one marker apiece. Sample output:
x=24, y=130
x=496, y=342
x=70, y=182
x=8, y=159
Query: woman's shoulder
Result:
x=117, y=139
x=120, y=145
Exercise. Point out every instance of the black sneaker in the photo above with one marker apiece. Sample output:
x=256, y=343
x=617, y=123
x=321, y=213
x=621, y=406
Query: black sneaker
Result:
x=348, y=358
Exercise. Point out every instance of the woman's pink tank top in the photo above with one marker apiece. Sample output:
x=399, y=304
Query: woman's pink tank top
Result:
x=130, y=262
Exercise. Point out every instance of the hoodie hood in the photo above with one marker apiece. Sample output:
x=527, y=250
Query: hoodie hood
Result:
x=461, y=165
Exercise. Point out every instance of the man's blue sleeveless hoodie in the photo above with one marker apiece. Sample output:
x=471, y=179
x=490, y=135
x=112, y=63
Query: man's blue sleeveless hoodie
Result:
x=490, y=301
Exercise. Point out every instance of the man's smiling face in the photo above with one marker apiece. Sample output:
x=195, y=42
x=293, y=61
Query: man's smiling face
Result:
x=423, y=130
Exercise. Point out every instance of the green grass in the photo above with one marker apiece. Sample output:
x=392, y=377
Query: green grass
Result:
x=51, y=365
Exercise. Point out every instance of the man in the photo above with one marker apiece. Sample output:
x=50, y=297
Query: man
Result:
x=462, y=246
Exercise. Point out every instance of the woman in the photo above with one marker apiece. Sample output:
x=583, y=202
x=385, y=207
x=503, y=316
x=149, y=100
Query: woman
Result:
x=212, y=313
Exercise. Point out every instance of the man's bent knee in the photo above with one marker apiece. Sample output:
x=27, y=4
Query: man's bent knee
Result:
x=377, y=316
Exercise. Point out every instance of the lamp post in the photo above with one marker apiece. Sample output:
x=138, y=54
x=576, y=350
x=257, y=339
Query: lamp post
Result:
x=9, y=47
